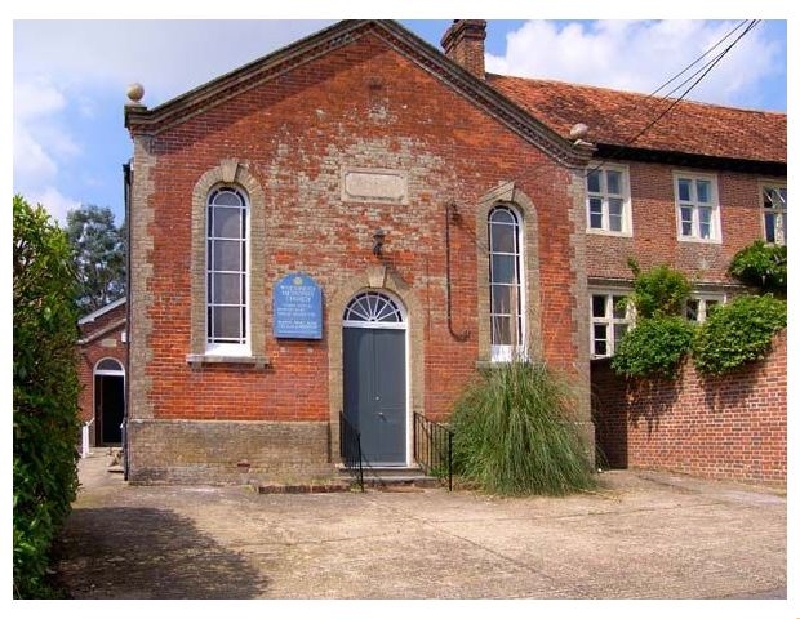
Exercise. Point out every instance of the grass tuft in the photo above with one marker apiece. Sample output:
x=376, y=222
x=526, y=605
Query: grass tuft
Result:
x=513, y=433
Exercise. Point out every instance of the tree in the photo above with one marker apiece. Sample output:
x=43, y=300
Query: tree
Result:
x=99, y=248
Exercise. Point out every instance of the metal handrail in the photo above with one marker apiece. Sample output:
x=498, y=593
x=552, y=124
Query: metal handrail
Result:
x=433, y=447
x=350, y=448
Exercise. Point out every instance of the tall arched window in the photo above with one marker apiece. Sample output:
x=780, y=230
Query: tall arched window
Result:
x=506, y=293
x=228, y=319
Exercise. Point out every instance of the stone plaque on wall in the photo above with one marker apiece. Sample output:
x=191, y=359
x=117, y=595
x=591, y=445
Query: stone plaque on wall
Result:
x=297, y=307
x=375, y=185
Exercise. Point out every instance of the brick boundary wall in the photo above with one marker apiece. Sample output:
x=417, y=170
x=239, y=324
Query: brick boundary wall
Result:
x=731, y=427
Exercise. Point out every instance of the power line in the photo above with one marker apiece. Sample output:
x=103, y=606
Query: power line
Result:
x=708, y=66
x=698, y=59
x=703, y=71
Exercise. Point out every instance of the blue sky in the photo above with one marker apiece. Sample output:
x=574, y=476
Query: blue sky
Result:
x=70, y=78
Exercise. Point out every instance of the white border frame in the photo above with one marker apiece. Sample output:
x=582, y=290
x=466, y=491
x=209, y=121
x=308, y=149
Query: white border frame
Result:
x=716, y=217
x=95, y=373
x=630, y=317
x=502, y=353
x=773, y=184
x=702, y=309
x=627, y=205
x=229, y=350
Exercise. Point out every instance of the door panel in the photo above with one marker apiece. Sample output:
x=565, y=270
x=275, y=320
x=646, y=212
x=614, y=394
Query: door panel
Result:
x=389, y=388
x=374, y=391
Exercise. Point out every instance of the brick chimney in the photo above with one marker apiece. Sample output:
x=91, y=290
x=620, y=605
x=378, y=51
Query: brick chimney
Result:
x=463, y=42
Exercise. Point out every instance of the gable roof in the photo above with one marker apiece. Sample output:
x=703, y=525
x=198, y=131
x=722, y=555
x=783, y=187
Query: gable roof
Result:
x=541, y=111
x=103, y=310
x=424, y=55
x=615, y=117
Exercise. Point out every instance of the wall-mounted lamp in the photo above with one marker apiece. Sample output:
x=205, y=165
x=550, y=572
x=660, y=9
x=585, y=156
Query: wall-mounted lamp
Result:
x=377, y=242
x=454, y=214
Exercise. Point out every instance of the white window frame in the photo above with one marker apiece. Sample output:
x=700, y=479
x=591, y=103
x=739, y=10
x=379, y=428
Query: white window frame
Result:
x=780, y=212
x=702, y=299
x=228, y=349
x=609, y=320
x=503, y=352
x=715, y=220
x=625, y=195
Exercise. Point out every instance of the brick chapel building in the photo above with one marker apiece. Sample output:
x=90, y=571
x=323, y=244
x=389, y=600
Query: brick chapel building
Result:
x=354, y=224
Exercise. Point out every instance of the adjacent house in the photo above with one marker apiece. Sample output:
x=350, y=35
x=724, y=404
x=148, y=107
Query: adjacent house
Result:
x=102, y=358
x=348, y=228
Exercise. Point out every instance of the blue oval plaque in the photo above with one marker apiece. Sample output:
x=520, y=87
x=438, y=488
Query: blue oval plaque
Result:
x=298, y=307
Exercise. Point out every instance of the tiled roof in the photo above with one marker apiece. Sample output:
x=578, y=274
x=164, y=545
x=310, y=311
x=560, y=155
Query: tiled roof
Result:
x=615, y=117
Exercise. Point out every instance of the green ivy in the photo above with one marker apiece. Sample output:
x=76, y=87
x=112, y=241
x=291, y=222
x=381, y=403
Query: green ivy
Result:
x=655, y=347
x=46, y=391
x=659, y=292
x=762, y=266
x=737, y=333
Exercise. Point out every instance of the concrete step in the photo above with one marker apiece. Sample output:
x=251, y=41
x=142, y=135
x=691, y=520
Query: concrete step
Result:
x=392, y=476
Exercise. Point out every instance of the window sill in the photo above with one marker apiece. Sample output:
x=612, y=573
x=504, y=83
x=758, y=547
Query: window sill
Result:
x=624, y=235
x=691, y=239
x=196, y=361
x=483, y=364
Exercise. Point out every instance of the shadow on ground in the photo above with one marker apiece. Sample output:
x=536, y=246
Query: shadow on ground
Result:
x=146, y=553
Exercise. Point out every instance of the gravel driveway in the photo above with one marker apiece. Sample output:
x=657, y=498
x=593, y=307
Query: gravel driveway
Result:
x=645, y=535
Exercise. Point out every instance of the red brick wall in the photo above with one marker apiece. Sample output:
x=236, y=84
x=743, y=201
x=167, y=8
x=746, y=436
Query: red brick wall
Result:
x=291, y=131
x=732, y=427
x=654, y=240
x=92, y=352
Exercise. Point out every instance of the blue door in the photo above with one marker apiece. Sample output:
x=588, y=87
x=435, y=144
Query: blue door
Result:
x=375, y=379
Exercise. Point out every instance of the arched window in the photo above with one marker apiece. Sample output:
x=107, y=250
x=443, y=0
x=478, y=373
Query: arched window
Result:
x=227, y=321
x=109, y=366
x=506, y=292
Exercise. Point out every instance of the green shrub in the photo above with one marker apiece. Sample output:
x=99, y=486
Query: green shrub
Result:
x=761, y=265
x=655, y=347
x=45, y=393
x=737, y=333
x=512, y=434
x=659, y=292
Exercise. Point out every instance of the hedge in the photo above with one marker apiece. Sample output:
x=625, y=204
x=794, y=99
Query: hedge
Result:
x=46, y=391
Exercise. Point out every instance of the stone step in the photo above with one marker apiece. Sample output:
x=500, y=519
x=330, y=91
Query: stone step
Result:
x=392, y=476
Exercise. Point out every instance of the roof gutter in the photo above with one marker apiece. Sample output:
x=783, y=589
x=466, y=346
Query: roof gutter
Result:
x=692, y=160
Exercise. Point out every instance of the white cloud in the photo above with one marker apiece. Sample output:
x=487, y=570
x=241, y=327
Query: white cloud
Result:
x=168, y=57
x=63, y=70
x=639, y=55
x=40, y=138
x=54, y=201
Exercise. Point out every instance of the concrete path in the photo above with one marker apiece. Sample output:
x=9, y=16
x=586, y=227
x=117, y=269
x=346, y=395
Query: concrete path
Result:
x=645, y=535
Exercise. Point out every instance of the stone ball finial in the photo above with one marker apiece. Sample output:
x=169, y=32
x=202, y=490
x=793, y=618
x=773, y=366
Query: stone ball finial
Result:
x=135, y=92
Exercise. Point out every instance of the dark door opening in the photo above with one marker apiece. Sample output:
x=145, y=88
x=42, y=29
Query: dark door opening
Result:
x=109, y=403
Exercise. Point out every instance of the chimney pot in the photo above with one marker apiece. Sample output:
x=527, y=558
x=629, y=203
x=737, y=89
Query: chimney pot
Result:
x=463, y=42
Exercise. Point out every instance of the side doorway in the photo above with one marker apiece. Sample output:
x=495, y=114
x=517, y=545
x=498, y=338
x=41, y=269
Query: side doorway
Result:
x=109, y=402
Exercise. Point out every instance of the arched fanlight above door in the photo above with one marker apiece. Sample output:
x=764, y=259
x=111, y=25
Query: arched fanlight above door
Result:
x=374, y=307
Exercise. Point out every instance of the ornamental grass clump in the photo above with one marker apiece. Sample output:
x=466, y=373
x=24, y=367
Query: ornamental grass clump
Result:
x=513, y=433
